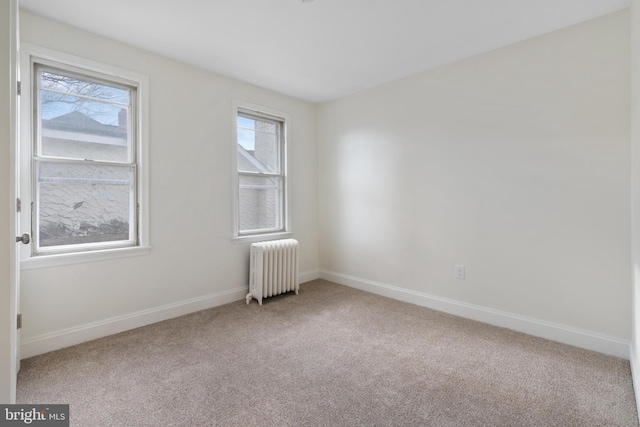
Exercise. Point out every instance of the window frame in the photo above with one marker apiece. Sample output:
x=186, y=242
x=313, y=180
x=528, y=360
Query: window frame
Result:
x=31, y=255
x=242, y=108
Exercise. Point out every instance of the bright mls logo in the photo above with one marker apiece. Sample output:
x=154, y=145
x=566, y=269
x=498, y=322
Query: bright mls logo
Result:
x=34, y=415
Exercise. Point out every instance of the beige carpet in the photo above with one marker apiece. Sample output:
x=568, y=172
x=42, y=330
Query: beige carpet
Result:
x=331, y=356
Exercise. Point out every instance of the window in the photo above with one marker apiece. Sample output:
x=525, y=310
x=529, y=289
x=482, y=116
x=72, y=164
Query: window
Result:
x=261, y=173
x=84, y=169
x=84, y=165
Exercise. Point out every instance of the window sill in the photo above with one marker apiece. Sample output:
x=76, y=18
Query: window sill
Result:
x=262, y=237
x=56, y=260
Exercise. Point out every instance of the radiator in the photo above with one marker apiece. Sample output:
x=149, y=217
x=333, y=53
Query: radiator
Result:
x=273, y=269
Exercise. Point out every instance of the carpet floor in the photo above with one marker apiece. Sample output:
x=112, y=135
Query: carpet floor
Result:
x=331, y=356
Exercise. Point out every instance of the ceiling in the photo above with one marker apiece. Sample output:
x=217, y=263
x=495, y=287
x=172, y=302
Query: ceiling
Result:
x=323, y=49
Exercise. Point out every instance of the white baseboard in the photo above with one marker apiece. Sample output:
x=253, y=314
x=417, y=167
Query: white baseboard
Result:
x=40, y=344
x=635, y=376
x=308, y=276
x=45, y=343
x=556, y=332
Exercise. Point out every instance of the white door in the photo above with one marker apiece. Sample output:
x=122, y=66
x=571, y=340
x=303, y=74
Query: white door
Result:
x=22, y=238
x=9, y=358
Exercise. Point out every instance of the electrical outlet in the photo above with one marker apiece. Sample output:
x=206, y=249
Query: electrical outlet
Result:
x=459, y=271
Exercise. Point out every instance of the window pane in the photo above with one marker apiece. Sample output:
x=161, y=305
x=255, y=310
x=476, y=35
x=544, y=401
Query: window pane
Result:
x=258, y=145
x=83, y=119
x=75, y=127
x=83, y=203
x=260, y=203
x=59, y=82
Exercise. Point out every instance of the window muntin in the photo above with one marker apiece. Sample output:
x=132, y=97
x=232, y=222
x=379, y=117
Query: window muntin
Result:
x=84, y=170
x=261, y=178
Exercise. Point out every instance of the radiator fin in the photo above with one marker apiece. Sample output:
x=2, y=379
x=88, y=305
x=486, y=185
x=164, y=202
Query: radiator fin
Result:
x=273, y=269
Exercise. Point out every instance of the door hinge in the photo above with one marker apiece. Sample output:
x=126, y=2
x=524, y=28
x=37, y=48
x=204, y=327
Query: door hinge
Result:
x=19, y=321
x=19, y=88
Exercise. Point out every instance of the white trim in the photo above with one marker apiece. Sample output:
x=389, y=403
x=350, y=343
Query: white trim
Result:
x=553, y=331
x=635, y=377
x=55, y=260
x=56, y=340
x=241, y=106
x=308, y=276
x=262, y=237
x=44, y=343
x=30, y=52
x=10, y=338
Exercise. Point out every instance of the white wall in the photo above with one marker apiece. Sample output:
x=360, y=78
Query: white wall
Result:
x=635, y=192
x=193, y=258
x=514, y=163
